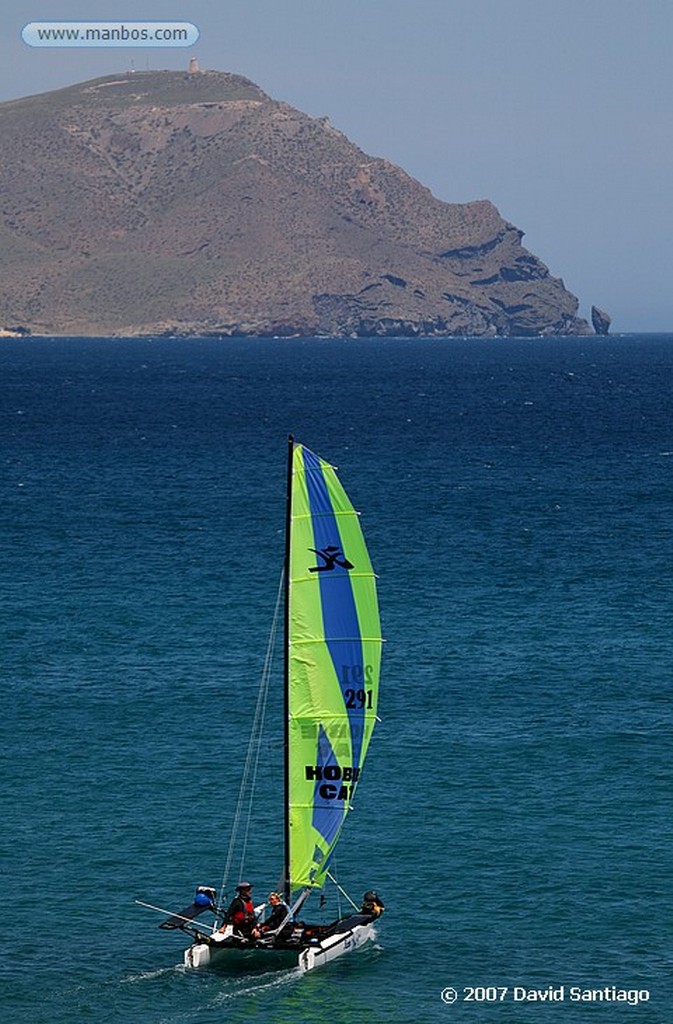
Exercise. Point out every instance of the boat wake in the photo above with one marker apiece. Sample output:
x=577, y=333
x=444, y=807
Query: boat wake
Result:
x=152, y=975
x=262, y=983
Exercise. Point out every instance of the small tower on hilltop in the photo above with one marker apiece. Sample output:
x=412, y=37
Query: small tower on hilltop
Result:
x=193, y=66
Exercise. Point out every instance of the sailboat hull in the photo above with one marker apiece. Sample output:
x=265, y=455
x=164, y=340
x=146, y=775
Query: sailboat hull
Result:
x=305, y=956
x=238, y=958
x=335, y=946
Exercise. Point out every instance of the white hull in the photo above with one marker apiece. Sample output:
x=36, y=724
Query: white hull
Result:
x=335, y=946
x=202, y=954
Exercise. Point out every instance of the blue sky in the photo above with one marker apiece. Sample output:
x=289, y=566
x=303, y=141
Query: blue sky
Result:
x=558, y=111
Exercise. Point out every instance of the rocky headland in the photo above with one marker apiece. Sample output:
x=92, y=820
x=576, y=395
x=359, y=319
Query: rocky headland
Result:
x=194, y=204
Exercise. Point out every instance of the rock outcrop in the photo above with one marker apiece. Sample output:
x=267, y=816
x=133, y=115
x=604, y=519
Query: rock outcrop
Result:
x=170, y=203
x=601, y=320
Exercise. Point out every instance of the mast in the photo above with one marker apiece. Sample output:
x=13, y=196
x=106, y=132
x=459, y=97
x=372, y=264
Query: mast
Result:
x=287, y=883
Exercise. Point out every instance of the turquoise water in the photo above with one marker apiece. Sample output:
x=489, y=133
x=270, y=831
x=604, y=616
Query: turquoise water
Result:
x=515, y=810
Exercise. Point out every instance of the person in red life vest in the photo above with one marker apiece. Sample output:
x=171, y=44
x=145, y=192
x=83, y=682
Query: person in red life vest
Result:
x=241, y=913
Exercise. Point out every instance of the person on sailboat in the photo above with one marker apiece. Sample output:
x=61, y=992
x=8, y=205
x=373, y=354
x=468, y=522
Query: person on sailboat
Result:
x=241, y=913
x=372, y=904
x=280, y=914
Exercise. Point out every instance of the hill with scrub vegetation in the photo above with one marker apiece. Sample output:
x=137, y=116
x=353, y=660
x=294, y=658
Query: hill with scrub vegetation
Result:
x=194, y=204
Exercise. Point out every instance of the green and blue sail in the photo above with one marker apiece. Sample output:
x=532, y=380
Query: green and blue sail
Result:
x=334, y=656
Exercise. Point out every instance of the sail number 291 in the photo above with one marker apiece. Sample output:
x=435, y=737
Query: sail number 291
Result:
x=354, y=679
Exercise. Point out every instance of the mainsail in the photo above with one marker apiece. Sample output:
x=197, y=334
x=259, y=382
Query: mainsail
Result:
x=333, y=659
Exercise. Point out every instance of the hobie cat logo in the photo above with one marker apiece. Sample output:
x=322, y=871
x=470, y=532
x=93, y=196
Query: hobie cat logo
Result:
x=331, y=557
x=336, y=773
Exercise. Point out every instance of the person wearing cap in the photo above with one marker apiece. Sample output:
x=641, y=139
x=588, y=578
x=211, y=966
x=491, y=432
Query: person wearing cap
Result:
x=372, y=904
x=280, y=913
x=241, y=913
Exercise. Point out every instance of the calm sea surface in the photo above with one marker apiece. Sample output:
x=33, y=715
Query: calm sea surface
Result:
x=516, y=810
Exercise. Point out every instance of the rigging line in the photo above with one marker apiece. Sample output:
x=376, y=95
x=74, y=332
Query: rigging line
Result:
x=343, y=891
x=263, y=700
x=334, y=863
x=254, y=741
x=255, y=738
x=245, y=783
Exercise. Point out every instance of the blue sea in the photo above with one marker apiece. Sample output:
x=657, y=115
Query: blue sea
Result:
x=516, y=810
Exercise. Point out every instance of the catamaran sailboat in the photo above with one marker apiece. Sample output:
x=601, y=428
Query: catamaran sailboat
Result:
x=332, y=655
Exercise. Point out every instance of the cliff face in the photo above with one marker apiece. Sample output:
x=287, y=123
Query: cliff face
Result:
x=190, y=204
